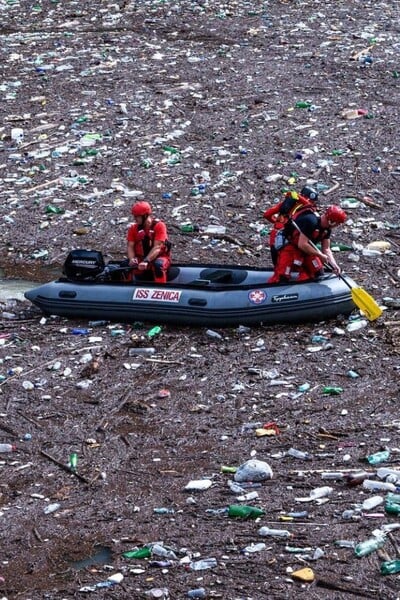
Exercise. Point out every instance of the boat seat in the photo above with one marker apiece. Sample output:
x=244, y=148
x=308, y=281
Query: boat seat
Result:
x=215, y=276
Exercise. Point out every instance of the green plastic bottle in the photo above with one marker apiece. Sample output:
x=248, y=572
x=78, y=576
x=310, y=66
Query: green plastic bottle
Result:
x=378, y=457
x=144, y=552
x=189, y=228
x=154, y=331
x=332, y=390
x=368, y=546
x=392, y=503
x=390, y=566
x=243, y=511
x=303, y=104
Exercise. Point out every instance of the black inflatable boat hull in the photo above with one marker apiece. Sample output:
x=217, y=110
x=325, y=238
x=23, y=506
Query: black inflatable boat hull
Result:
x=198, y=295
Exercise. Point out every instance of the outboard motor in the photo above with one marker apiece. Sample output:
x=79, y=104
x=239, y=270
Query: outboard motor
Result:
x=83, y=265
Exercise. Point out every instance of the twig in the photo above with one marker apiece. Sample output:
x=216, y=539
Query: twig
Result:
x=30, y=419
x=165, y=362
x=26, y=372
x=333, y=585
x=64, y=467
x=42, y=185
x=37, y=535
x=331, y=189
x=394, y=543
x=369, y=202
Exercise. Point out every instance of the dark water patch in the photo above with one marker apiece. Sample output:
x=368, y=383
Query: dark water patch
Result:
x=102, y=555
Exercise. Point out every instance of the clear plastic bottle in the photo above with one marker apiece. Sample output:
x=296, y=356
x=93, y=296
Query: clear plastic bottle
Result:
x=7, y=447
x=370, y=484
x=197, y=593
x=373, y=502
x=384, y=472
x=279, y=533
x=140, y=351
x=370, y=545
x=159, y=550
x=299, y=454
x=205, y=563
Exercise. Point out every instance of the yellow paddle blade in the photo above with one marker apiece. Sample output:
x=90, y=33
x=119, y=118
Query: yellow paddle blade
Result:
x=366, y=303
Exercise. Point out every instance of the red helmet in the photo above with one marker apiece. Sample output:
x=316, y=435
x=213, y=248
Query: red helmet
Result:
x=335, y=214
x=141, y=209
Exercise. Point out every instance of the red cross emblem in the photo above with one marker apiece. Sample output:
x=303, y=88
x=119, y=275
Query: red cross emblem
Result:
x=257, y=296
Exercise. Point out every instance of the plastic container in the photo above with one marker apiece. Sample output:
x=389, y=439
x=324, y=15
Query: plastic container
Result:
x=299, y=454
x=392, y=504
x=368, y=546
x=278, y=533
x=373, y=502
x=144, y=552
x=7, y=447
x=140, y=351
x=386, y=472
x=243, y=511
x=197, y=593
x=378, y=457
x=205, y=563
x=370, y=484
x=388, y=567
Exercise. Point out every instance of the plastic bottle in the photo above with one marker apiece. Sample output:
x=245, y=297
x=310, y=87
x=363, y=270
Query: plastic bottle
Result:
x=139, y=351
x=154, y=331
x=303, y=104
x=370, y=545
x=189, y=228
x=373, y=502
x=254, y=548
x=79, y=331
x=197, y=593
x=267, y=531
x=332, y=390
x=320, y=492
x=159, y=550
x=353, y=479
x=144, y=552
x=7, y=447
x=385, y=472
x=243, y=511
x=378, y=457
x=299, y=454
x=73, y=461
x=370, y=484
x=390, y=566
x=98, y=323
x=205, y=563
x=392, y=504
x=163, y=511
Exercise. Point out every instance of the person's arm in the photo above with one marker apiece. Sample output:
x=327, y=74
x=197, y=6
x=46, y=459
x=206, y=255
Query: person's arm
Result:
x=130, y=251
x=160, y=235
x=326, y=249
x=305, y=246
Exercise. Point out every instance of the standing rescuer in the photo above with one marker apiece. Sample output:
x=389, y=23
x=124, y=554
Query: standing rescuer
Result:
x=291, y=206
x=300, y=260
x=148, y=247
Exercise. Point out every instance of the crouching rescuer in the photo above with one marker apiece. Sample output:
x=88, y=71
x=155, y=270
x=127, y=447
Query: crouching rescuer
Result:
x=148, y=247
x=300, y=260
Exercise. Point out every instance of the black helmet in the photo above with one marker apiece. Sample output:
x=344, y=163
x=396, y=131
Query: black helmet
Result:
x=309, y=192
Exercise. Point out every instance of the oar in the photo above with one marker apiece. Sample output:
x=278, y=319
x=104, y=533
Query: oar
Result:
x=360, y=297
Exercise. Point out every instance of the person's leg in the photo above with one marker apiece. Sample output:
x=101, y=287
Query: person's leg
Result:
x=160, y=269
x=314, y=266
